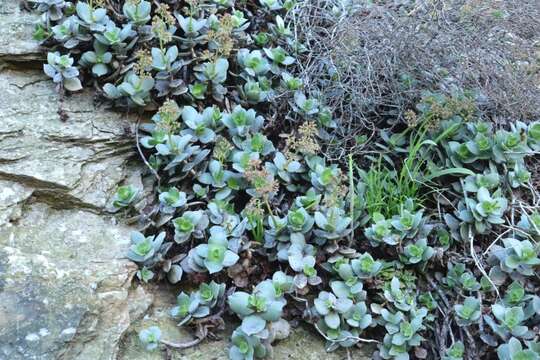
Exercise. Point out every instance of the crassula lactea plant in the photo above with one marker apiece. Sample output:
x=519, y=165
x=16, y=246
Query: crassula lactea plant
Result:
x=266, y=227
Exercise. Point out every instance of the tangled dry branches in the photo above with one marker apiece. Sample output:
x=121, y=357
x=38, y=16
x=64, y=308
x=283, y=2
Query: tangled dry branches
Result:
x=370, y=61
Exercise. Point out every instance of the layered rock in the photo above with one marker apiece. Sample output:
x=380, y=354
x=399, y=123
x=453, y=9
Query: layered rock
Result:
x=64, y=279
x=16, y=41
x=65, y=285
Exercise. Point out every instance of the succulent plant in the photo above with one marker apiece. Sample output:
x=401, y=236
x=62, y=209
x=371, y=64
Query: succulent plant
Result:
x=211, y=293
x=402, y=332
x=200, y=125
x=177, y=146
x=172, y=199
x=365, y=266
x=455, y=352
x=460, y=153
x=198, y=304
x=284, y=169
x=272, y=4
x=483, y=211
x=325, y=118
x=53, y=10
x=280, y=28
x=190, y=26
x=331, y=308
x=290, y=82
x=489, y=181
x=198, y=90
x=150, y=337
x=282, y=282
x=408, y=332
x=398, y=297
x=469, y=312
x=60, y=68
x=68, y=33
x=513, y=350
x=530, y=223
x=533, y=132
x=276, y=231
x=215, y=73
x=137, y=12
x=187, y=307
x=481, y=146
x=135, y=88
x=95, y=19
x=98, y=60
x=380, y=231
x=418, y=252
x=218, y=211
x=241, y=160
x=510, y=321
x=246, y=347
x=509, y=146
x=323, y=178
x=114, y=36
x=309, y=201
x=459, y=277
x=340, y=337
x=519, y=176
x=515, y=294
x=332, y=224
x=358, y=317
x=256, y=91
x=253, y=62
x=217, y=177
x=169, y=80
x=407, y=224
x=124, y=196
x=301, y=257
x=391, y=320
x=215, y=255
x=257, y=143
x=242, y=122
x=299, y=221
x=166, y=60
x=191, y=223
x=264, y=203
x=279, y=56
x=351, y=287
x=145, y=249
x=239, y=20
x=516, y=256
x=145, y=274
x=256, y=309
x=305, y=106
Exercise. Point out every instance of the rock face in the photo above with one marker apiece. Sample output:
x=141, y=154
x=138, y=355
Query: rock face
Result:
x=66, y=289
x=65, y=285
x=16, y=35
x=64, y=279
x=67, y=150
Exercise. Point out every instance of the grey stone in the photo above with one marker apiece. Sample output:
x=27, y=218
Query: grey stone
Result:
x=17, y=26
x=12, y=197
x=63, y=285
x=69, y=151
